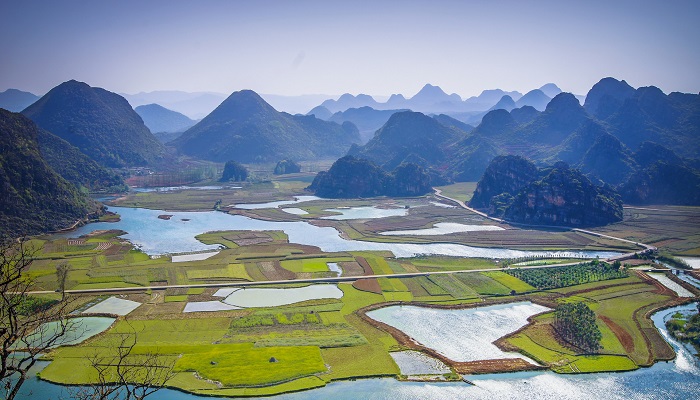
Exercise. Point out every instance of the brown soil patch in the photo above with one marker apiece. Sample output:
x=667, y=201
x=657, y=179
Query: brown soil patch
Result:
x=622, y=335
x=165, y=216
x=351, y=268
x=368, y=285
x=273, y=271
x=365, y=266
x=492, y=366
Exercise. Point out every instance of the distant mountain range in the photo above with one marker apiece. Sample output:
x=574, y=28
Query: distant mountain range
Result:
x=195, y=105
x=101, y=124
x=247, y=129
x=165, y=124
x=16, y=100
x=433, y=100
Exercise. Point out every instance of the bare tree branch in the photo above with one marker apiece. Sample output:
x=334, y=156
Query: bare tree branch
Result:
x=28, y=325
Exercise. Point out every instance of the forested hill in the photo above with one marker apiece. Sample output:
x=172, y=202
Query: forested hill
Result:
x=604, y=139
x=101, y=124
x=34, y=198
x=246, y=128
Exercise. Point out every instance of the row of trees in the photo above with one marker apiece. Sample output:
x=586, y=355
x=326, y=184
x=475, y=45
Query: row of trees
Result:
x=556, y=277
x=31, y=326
x=576, y=324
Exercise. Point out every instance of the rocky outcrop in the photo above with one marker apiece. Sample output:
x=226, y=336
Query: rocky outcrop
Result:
x=565, y=197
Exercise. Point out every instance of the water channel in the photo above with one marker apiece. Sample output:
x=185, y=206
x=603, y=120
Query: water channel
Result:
x=177, y=235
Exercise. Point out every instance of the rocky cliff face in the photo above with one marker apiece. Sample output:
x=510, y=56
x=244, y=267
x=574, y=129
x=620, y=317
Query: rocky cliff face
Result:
x=565, y=197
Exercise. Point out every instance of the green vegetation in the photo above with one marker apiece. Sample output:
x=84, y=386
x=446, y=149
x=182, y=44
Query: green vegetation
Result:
x=556, y=277
x=350, y=178
x=234, y=171
x=576, y=324
x=685, y=329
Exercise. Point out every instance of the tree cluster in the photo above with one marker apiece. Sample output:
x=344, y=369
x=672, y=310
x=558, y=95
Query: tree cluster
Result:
x=350, y=177
x=576, y=324
x=234, y=171
x=287, y=167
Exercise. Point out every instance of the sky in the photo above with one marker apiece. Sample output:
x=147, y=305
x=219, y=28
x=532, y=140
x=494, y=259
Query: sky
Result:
x=355, y=46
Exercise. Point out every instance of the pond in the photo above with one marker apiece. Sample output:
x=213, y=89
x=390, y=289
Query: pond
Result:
x=416, y=363
x=275, y=204
x=272, y=297
x=113, y=305
x=666, y=281
x=365, y=213
x=334, y=267
x=294, y=210
x=460, y=335
x=77, y=330
x=444, y=228
x=675, y=380
x=694, y=262
x=194, y=256
x=159, y=236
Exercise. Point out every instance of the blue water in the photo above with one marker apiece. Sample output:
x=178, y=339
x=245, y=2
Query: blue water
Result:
x=158, y=236
x=679, y=379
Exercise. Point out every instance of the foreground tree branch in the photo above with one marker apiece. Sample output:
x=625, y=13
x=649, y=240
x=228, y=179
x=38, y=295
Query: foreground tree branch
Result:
x=29, y=326
x=125, y=372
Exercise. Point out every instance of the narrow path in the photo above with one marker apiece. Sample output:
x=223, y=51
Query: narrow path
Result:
x=282, y=281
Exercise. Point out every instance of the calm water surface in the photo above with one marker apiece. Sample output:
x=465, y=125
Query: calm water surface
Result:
x=158, y=236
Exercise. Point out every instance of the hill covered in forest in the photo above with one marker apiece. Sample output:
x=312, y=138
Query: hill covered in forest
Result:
x=34, y=198
x=246, y=128
x=101, y=124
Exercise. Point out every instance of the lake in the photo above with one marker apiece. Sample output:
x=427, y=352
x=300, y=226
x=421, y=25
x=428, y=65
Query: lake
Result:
x=471, y=330
x=272, y=297
x=158, y=236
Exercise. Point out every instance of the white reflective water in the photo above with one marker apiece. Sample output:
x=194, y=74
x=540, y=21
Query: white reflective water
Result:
x=444, y=228
x=275, y=204
x=694, y=262
x=272, y=297
x=365, y=213
x=666, y=281
x=416, y=363
x=113, y=305
x=460, y=335
x=158, y=236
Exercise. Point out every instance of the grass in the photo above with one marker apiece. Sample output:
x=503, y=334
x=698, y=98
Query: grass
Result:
x=509, y=281
x=461, y=191
x=442, y=263
x=483, y=284
x=243, y=364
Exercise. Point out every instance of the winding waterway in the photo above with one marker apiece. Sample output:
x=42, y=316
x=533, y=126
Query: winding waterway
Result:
x=176, y=235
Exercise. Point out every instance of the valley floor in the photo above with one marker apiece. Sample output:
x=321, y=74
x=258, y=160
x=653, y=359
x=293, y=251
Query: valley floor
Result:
x=228, y=352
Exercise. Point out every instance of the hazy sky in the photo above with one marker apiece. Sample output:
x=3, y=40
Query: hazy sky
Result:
x=331, y=47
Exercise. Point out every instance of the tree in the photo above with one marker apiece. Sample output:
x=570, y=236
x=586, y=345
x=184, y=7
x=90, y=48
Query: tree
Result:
x=287, y=167
x=234, y=171
x=29, y=326
x=62, y=270
x=576, y=324
x=124, y=372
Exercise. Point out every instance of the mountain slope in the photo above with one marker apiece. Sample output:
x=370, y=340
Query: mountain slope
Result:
x=76, y=167
x=245, y=128
x=16, y=100
x=34, y=198
x=409, y=136
x=99, y=123
x=534, y=98
x=366, y=119
x=160, y=119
